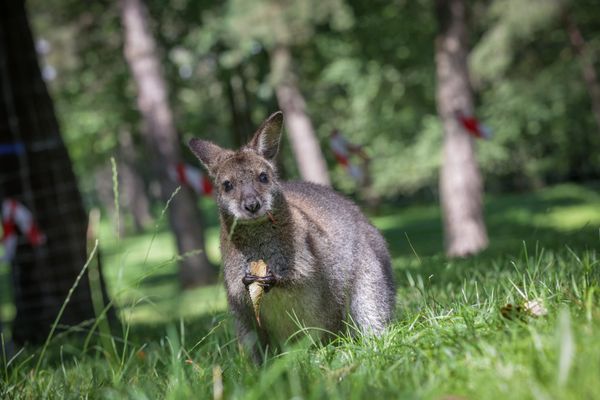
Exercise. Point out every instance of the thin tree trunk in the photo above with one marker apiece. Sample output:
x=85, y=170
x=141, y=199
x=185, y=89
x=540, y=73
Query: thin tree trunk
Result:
x=162, y=138
x=134, y=189
x=460, y=180
x=40, y=177
x=244, y=100
x=241, y=127
x=237, y=129
x=236, y=93
x=305, y=145
x=588, y=71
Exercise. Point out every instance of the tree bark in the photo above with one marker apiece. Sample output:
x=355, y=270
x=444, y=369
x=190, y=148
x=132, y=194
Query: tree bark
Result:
x=588, y=71
x=234, y=85
x=40, y=176
x=461, y=183
x=163, y=141
x=305, y=145
x=134, y=190
x=237, y=126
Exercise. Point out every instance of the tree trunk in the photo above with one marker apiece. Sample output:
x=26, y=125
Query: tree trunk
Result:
x=305, y=145
x=134, y=190
x=460, y=180
x=234, y=86
x=39, y=176
x=163, y=141
x=237, y=126
x=588, y=71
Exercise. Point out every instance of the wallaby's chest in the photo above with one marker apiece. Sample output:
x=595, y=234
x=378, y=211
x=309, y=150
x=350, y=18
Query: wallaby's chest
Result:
x=298, y=303
x=276, y=246
x=286, y=313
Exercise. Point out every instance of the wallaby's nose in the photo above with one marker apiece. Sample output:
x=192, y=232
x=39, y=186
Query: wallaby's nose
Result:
x=252, y=206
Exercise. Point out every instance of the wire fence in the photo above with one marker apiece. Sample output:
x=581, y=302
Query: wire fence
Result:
x=39, y=193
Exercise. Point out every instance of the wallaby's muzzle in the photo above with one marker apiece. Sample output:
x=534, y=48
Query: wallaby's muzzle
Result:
x=252, y=206
x=251, y=200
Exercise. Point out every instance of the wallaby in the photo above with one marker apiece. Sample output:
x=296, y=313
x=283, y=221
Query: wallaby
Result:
x=329, y=268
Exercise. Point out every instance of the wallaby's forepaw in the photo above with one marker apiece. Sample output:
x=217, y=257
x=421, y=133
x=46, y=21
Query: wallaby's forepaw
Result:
x=267, y=281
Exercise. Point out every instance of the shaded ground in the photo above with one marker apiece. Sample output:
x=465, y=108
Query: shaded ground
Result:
x=141, y=272
x=448, y=339
x=556, y=217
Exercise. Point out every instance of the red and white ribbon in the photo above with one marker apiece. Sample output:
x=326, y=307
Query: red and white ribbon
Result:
x=16, y=215
x=473, y=126
x=192, y=177
x=342, y=150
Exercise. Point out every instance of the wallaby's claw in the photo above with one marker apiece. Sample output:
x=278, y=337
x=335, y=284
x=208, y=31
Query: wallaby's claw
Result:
x=267, y=281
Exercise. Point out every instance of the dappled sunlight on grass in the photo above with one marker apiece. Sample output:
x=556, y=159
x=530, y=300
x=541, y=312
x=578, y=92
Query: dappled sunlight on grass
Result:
x=560, y=215
x=142, y=278
x=212, y=244
x=149, y=292
x=407, y=215
x=170, y=304
x=449, y=337
x=569, y=218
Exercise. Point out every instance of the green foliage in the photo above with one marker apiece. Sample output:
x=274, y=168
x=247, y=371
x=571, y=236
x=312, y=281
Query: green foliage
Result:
x=365, y=67
x=511, y=24
x=532, y=93
x=449, y=338
x=271, y=23
x=375, y=82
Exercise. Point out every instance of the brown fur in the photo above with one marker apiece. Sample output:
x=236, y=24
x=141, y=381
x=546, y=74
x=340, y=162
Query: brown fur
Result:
x=332, y=267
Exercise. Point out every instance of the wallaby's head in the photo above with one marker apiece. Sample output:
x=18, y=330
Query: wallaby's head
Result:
x=245, y=180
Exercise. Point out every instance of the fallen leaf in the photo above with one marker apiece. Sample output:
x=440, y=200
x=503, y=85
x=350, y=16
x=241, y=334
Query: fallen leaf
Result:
x=531, y=308
x=535, y=308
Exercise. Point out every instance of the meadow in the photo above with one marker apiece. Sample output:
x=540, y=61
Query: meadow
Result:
x=449, y=340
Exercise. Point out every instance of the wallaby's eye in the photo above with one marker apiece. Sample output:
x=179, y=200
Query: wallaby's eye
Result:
x=263, y=177
x=227, y=186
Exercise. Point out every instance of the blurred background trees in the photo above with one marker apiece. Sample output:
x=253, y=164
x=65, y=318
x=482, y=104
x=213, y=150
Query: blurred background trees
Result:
x=136, y=79
x=278, y=27
x=366, y=68
x=461, y=186
x=363, y=67
x=161, y=137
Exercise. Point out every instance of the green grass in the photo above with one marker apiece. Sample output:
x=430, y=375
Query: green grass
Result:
x=449, y=338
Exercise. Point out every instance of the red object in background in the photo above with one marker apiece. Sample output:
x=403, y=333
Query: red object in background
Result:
x=342, y=150
x=473, y=126
x=192, y=177
x=15, y=214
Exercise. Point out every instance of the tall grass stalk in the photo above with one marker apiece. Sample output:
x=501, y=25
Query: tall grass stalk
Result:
x=64, y=305
x=160, y=218
x=117, y=203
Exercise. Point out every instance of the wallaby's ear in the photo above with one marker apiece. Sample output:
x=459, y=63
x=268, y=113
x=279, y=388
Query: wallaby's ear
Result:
x=266, y=139
x=207, y=152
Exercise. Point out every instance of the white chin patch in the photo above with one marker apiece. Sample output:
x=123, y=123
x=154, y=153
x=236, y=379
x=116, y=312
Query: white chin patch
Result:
x=246, y=219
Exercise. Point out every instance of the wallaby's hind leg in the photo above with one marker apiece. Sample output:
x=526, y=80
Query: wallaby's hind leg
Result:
x=372, y=303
